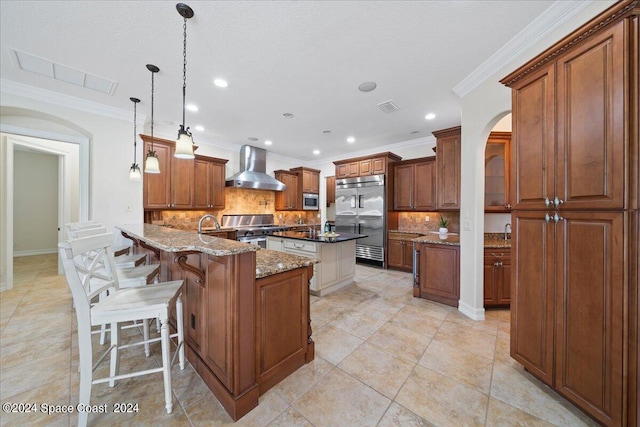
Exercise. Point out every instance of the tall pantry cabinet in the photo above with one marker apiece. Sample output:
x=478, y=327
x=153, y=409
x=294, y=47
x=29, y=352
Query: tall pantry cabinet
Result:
x=574, y=321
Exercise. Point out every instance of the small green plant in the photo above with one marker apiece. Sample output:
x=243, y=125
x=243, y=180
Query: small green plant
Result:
x=444, y=222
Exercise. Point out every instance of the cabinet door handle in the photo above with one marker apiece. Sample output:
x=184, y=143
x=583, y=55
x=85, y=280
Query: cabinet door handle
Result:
x=557, y=218
x=508, y=206
x=547, y=217
x=547, y=202
x=557, y=202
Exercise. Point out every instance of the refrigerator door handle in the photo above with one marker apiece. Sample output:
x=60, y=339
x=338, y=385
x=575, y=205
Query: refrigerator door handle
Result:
x=353, y=201
x=360, y=205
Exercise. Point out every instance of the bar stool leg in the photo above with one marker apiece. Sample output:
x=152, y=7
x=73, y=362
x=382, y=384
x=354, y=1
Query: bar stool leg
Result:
x=114, y=357
x=166, y=363
x=180, y=322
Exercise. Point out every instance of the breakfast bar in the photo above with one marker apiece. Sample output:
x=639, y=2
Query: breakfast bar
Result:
x=246, y=309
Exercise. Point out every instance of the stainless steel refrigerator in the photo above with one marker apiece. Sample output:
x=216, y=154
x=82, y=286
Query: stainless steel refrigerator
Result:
x=360, y=208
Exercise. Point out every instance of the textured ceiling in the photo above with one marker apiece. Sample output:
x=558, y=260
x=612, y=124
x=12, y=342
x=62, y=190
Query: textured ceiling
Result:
x=302, y=57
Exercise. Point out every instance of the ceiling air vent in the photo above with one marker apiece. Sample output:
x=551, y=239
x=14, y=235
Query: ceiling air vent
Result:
x=388, y=106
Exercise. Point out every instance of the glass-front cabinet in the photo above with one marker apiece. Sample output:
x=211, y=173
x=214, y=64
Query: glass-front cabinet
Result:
x=496, y=172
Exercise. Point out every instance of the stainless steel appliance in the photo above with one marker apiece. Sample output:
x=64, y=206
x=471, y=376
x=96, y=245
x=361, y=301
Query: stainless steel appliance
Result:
x=253, y=168
x=310, y=202
x=252, y=229
x=360, y=208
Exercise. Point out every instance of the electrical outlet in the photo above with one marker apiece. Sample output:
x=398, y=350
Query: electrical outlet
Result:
x=128, y=209
x=466, y=225
x=427, y=219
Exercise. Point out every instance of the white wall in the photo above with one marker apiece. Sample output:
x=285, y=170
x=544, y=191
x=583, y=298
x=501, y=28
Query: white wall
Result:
x=482, y=108
x=35, y=203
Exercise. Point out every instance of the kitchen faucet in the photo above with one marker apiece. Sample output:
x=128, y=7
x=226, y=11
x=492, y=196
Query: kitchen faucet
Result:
x=205, y=217
x=507, y=225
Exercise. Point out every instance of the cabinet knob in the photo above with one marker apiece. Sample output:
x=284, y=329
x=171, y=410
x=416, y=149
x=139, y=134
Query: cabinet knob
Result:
x=547, y=217
x=508, y=206
x=547, y=202
x=557, y=202
x=557, y=218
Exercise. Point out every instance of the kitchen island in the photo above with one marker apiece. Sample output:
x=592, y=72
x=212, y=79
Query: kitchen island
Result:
x=246, y=309
x=336, y=252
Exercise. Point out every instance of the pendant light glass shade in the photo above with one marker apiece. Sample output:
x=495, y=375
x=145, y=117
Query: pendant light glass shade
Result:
x=134, y=173
x=134, y=170
x=151, y=164
x=184, y=143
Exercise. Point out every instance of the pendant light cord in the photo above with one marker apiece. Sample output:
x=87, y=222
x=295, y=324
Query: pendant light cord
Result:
x=152, y=80
x=135, y=109
x=184, y=73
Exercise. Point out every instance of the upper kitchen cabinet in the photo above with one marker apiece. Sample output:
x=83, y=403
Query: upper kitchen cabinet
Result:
x=448, y=169
x=330, y=183
x=209, y=183
x=308, y=180
x=414, y=185
x=376, y=164
x=496, y=172
x=183, y=183
x=172, y=188
x=288, y=199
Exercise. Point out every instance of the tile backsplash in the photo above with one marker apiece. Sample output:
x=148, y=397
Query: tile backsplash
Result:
x=237, y=201
x=415, y=221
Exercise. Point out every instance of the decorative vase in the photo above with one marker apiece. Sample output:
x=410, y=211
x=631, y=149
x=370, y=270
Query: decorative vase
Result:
x=443, y=230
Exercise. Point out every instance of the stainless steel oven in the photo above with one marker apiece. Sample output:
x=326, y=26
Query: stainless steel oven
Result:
x=252, y=229
x=254, y=240
x=310, y=202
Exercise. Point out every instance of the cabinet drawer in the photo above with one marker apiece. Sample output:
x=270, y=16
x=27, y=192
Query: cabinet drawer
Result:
x=300, y=246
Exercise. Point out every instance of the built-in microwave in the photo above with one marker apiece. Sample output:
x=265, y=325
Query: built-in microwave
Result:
x=310, y=202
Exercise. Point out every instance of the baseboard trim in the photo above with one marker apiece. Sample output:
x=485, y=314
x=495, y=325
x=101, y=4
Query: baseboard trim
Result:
x=34, y=252
x=470, y=312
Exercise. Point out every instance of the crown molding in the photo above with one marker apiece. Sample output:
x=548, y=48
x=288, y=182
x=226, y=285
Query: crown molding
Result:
x=556, y=15
x=55, y=98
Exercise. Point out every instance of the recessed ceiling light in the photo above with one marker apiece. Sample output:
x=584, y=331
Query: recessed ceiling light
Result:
x=430, y=116
x=415, y=132
x=367, y=86
x=220, y=83
x=252, y=138
x=169, y=123
x=351, y=140
x=326, y=131
x=316, y=152
x=267, y=142
x=192, y=107
x=287, y=115
x=199, y=128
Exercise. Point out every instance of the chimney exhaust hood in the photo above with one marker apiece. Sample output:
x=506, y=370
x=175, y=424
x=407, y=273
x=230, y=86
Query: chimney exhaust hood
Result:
x=253, y=168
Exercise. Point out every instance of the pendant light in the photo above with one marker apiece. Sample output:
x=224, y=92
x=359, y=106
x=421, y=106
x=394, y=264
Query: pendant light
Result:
x=151, y=164
x=134, y=171
x=184, y=143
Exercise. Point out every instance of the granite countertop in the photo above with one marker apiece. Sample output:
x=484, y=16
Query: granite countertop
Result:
x=404, y=235
x=491, y=240
x=216, y=230
x=172, y=240
x=319, y=238
x=270, y=262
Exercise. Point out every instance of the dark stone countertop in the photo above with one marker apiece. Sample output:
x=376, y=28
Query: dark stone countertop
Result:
x=319, y=238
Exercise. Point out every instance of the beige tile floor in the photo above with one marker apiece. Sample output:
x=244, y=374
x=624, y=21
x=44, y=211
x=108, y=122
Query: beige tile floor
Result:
x=383, y=358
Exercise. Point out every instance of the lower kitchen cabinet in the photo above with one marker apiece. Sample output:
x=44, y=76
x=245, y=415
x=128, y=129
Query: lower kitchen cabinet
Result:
x=400, y=250
x=438, y=273
x=497, y=277
x=569, y=304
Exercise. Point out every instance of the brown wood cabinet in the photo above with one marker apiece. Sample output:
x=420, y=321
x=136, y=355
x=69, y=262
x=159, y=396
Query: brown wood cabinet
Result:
x=497, y=277
x=574, y=148
x=330, y=183
x=448, y=169
x=209, y=183
x=414, y=185
x=497, y=159
x=288, y=199
x=376, y=164
x=400, y=250
x=183, y=183
x=438, y=273
x=308, y=180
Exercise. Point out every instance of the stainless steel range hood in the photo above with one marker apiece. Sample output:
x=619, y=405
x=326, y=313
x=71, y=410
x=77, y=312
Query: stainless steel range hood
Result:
x=253, y=168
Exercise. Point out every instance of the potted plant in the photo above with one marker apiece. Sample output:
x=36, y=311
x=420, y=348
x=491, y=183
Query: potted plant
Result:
x=444, y=222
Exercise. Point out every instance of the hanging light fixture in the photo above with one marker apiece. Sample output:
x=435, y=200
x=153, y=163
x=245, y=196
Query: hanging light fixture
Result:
x=151, y=164
x=134, y=171
x=184, y=143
